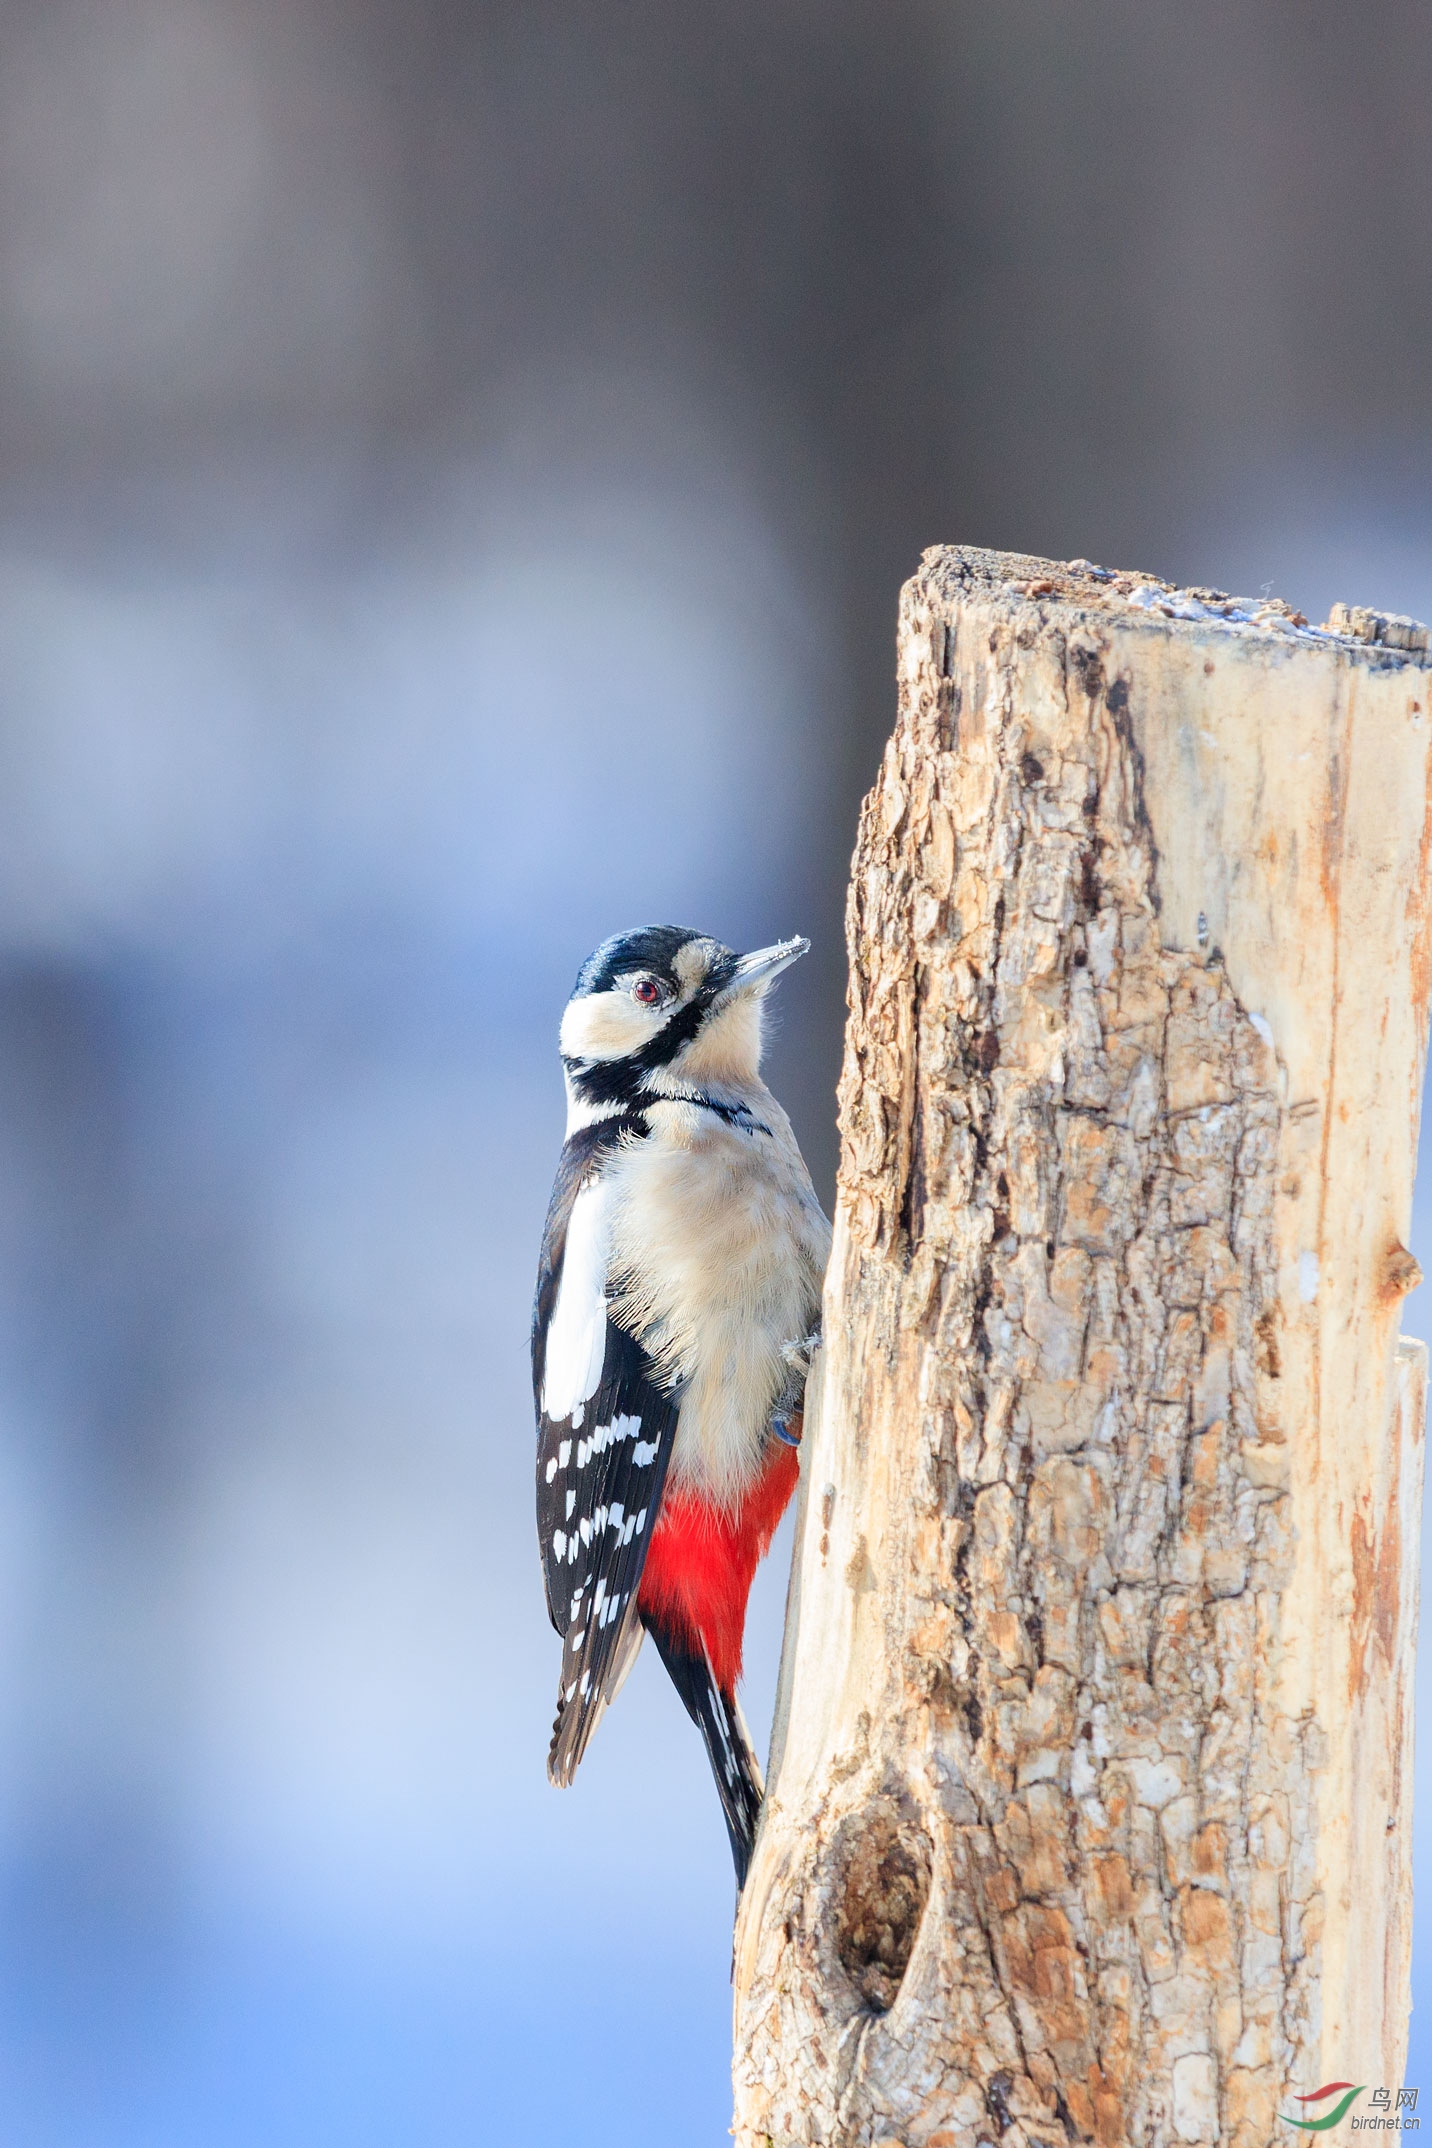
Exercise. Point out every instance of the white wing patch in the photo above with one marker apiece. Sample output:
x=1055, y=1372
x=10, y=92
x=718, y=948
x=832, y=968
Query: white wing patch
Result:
x=577, y=1332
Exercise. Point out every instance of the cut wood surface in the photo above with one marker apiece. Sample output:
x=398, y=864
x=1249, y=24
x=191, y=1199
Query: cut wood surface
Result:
x=1090, y=1800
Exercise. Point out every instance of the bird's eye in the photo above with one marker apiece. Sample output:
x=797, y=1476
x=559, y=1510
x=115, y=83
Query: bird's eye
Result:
x=648, y=991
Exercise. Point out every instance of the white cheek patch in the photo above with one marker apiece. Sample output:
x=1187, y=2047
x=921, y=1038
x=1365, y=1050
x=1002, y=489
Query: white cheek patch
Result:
x=577, y=1333
x=608, y=1025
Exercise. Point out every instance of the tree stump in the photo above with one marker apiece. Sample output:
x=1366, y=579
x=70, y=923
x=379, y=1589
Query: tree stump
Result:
x=1089, y=1814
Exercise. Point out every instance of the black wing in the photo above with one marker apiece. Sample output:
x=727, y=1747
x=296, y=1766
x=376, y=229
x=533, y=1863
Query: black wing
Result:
x=604, y=1435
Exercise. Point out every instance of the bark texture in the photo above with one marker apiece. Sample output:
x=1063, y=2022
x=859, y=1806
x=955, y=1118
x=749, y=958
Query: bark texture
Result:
x=1089, y=1815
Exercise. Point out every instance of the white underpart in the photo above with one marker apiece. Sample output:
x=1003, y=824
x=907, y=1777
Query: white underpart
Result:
x=577, y=1332
x=721, y=1247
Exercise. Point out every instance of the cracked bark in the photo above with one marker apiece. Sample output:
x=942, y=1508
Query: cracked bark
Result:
x=1089, y=1814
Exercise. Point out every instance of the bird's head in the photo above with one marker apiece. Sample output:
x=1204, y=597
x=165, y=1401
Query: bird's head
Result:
x=661, y=1009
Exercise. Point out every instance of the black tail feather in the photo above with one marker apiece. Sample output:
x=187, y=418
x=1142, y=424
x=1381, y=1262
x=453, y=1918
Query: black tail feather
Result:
x=728, y=1746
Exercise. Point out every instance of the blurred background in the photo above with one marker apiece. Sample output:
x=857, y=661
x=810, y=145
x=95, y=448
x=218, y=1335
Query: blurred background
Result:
x=457, y=465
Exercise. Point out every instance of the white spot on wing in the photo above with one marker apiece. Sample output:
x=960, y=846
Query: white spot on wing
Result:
x=604, y=1436
x=552, y=1471
x=644, y=1453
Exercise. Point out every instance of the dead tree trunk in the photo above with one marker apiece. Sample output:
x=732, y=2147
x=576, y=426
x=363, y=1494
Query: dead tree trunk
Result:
x=1090, y=1806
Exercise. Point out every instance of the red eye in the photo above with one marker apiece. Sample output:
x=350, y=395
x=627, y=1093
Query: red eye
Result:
x=648, y=991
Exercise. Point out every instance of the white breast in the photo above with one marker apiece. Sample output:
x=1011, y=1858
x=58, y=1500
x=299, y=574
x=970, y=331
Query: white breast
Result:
x=718, y=1254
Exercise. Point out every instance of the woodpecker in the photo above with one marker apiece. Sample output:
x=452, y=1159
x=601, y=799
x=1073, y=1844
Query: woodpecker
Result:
x=678, y=1300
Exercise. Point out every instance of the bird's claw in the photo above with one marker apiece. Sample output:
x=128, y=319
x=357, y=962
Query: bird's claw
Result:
x=798, y=1355
x=787, y=1416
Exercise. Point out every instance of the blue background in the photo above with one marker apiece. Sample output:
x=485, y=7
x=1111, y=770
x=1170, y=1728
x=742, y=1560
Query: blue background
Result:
x=457, y=464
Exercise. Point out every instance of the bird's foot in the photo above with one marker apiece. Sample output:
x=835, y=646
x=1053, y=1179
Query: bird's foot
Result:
x=788, y=1415
x=798, y=1355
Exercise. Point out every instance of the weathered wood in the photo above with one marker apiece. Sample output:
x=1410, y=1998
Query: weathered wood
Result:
x=1089, y=1815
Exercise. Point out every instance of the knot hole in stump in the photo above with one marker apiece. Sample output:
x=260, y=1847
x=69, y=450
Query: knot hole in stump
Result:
x=880, y=1898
